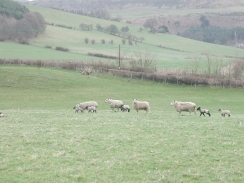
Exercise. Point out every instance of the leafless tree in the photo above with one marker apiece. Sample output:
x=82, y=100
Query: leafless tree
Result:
x=144, y=60
x=208, y=63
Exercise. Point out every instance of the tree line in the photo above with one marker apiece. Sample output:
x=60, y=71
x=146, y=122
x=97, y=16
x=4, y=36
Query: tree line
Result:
x=18, y=23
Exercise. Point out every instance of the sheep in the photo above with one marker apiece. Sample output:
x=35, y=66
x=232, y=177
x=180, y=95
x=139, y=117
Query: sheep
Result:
x=114, y=103
x=91, y=109
x=86, y=104
x=1, y=115
x=203, y=111
x=141, y=105
x=77, y=109
x=184, y=106
x=224, y=112
x=125, y=108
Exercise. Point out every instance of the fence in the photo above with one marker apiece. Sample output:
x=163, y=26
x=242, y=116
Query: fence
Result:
x=165, y=76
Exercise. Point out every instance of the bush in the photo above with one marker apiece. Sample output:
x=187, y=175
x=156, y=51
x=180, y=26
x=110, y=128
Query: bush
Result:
x=62, y=49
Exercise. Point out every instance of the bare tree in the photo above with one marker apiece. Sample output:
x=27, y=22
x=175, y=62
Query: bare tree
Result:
x=144, y=60
x=195, y=64
x=208, y=63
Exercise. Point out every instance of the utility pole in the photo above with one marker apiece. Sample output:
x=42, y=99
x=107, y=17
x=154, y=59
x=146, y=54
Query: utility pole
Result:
x=119, y=57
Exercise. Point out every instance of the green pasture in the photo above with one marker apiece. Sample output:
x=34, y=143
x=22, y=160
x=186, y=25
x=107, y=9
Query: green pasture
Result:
x=10, y=50
x=166, y=46
x=168, y=50
x=43, y=140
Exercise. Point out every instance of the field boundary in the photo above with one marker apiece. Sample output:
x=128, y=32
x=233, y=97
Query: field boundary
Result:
x=165, y=76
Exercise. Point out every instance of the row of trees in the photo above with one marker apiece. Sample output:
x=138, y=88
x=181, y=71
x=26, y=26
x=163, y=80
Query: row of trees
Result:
x=12, y=9
x=152, y=24
x=103, y=41
x=113, y=29
x=214, y=34
x=24, y=29
x=18, y=24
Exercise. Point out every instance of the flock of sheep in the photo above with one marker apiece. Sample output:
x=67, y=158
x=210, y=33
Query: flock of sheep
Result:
x=91, y=106
x=191, y=107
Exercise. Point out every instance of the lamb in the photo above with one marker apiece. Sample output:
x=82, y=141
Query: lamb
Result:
x=1, y=115
x=86, y=104
x=141, y=105
x=203, y=111
x=91, y=109
x=224, y=112
x=125, y=108
x=114, y=103
x=77, y=109
x=184, y=106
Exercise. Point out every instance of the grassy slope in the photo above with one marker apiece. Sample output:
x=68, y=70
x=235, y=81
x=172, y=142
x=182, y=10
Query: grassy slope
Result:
x=43, y=140
x=74, y=40
x=170, y=41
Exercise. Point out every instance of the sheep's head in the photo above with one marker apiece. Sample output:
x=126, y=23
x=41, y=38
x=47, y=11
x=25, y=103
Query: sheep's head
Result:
x=173, y=102
x=107, y=100
x=199, y=108
x=220, y=110
x=134, y=101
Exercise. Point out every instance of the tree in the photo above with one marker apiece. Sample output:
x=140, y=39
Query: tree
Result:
x=103, y=41
x=123, y=41
x=101, y=13
x=111, y=41
x=150, y=23
x=125, y=29
x=99, y=27
x=144, y=60
x=11, y=8
x=204, y=21
x=163, y=29
x=86, y=40
x=93, y=41
x=112, y=29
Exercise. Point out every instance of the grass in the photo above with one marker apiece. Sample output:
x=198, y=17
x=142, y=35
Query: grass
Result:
x=171, y=51
x=43, y=140
x=10, y=50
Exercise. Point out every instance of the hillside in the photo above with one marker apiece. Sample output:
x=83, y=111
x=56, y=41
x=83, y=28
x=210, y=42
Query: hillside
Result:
x=178, y=15
x=43, y=139
x=93, y=4
x=169, y=51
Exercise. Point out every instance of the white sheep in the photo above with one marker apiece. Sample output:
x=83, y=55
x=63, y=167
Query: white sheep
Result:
x=84, y=105
x=1, y=115
x=141, y=105
x=184, y=106
x=91, y=109
x=114, y=103
x=125, y=108
x=77, y=109
x=203, y=111
x=224, y=112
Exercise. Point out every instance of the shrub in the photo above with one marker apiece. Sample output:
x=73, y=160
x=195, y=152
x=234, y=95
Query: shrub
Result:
x=93, y=41
x=62, y=49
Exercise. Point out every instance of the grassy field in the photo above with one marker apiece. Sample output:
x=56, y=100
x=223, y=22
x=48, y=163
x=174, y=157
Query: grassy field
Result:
x=43, y=140
x=170, y=51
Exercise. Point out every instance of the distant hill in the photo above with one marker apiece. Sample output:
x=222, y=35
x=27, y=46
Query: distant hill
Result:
x=94, y=4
